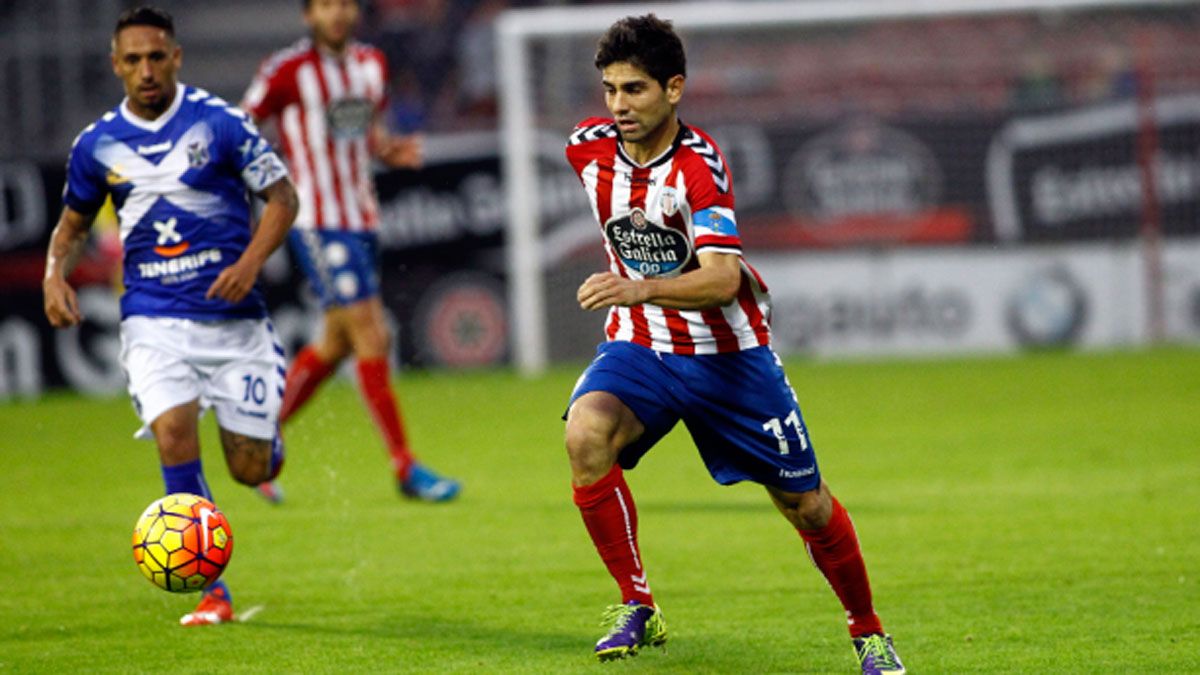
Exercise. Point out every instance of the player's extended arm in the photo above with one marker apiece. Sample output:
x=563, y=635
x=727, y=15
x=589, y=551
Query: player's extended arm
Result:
x=66, y=244
x=397, y=151
x=714, y=284
x=237, y=280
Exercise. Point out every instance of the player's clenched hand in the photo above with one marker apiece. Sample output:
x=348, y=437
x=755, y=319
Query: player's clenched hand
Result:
x=403, y=152
x=60, y=303
x=234, y=283
x=606, y=289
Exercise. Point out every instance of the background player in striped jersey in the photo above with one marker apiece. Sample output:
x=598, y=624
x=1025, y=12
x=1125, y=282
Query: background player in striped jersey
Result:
x=687, y=339
x=194, y=330
x=325, y=94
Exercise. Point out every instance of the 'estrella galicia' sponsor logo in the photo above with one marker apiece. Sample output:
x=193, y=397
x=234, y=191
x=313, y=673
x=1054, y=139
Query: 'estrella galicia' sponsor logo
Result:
x=197, y=153
x=646, y=247
x=861, y=168
x=349, y=117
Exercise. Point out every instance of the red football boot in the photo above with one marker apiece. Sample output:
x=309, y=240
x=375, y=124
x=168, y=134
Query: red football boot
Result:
x=214, y=608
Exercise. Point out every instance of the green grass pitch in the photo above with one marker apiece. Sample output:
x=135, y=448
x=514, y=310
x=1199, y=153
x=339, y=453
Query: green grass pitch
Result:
x=1038, y=514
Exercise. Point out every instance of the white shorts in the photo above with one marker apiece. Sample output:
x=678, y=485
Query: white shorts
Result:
x=235, y=367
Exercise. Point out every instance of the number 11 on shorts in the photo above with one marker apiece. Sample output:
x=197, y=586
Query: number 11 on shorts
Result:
x=774, y=426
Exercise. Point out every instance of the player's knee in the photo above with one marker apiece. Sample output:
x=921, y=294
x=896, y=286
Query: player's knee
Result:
x=366, y=330
x=374, y=339
x=331, y=348
x=177, y=443
x=590, y=449
x=809, y=516
x=804, y=510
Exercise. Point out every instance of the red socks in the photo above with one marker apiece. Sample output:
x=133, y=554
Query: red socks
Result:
x=834, y=550
x=377, y=393
x=611, y=519
x=307, y=373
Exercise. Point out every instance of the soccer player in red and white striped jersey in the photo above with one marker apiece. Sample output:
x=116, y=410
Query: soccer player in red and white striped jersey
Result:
x=326, y=94
x=662, y=198
x=688, y=340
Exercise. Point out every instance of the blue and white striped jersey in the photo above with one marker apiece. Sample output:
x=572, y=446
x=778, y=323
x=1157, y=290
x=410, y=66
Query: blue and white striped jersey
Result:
x=179, y=184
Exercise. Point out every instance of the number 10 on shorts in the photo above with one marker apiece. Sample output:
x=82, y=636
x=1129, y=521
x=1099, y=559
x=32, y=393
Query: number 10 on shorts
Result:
x=776, y=427
x=256, y=389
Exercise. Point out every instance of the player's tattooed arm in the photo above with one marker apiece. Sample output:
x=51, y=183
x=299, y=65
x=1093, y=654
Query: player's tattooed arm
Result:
x=714, y=284
x=66, y=245
x=237, y=280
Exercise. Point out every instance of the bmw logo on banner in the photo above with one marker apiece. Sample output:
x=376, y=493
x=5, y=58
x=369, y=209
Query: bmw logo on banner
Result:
x=1048, y=310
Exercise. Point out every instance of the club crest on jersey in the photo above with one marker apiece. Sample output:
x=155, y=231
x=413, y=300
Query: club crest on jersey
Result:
x=646, y=247
x=197, y=153
x=668, y=201
x=349, y=117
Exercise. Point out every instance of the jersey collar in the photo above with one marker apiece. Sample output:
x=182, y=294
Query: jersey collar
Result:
x=666, y=154
x=159, y=122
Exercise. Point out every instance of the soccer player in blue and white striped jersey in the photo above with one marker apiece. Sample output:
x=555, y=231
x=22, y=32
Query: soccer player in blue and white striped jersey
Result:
x=178, y=163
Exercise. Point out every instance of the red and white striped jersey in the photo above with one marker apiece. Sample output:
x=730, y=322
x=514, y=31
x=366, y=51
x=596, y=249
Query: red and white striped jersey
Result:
x=655, y=219
x=324, y=107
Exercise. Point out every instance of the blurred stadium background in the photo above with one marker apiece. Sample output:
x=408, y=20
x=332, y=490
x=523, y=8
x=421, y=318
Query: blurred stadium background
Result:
x=912, y=178
x=915, y=179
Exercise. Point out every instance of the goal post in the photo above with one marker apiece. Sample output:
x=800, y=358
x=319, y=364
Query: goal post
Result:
x=526, y=51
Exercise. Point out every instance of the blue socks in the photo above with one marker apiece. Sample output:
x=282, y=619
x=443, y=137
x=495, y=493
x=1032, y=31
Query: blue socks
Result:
x=277, y=455
x=220, y=589
x=186, y=478
x=189, y=477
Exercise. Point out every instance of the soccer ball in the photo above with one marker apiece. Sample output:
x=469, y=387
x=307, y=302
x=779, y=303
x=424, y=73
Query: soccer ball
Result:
x=182, y=542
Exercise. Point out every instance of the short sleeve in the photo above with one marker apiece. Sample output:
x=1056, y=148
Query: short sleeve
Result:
x=251, y=154
x=716, y=230
x=384, y=78
x=263, y=97
x=85, y=189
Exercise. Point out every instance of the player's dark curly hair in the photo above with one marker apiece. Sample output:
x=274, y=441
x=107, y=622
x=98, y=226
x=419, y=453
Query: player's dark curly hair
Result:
x=145, y=15
x=647, y=42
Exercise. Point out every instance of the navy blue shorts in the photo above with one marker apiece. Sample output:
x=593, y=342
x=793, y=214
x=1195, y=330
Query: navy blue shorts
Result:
x=342, y=267
x=739, y=408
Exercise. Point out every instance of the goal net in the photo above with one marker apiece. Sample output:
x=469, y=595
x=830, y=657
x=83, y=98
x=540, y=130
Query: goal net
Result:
x=862, y=127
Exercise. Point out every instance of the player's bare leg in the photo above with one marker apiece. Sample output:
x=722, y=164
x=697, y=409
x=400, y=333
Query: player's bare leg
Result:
x=832, y=543
x=251, y=461
x=363, y=327
x=599, y=425
x=178, y=437
x=804, y=510
x=177, y=434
